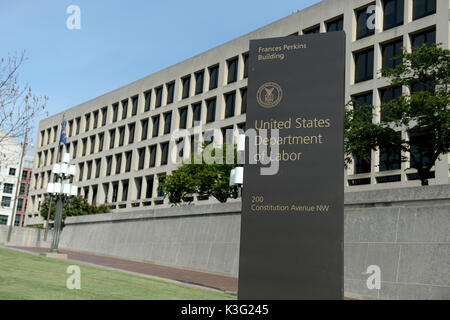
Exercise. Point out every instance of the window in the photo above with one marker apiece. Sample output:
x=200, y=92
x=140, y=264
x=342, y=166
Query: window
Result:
x=152, y=150
x=167, y=122
x=92, y=139
x=81, y=172
x=158, y=92
x=125, y=190
x=245, y=57
x=199, y=81
x=49, y=131
x=183, y=118
x=112, y=138
x=8, y=188
x=24, y=175
x=230, y=104
x=87, y=122
x=141, y=158
x=362, y=30
x=364, y=65
x=196, y=113
x=232, y=70
x=78, y=121
x=170, y=92
x=144, y=128
x=393, y=13
x=138, y=184
x=98, y=165
x=74, y=145
x=155, y=131
x=124, y=109
x=186, y=82
x=104, y=115
x=422, y=8
x=164, y=153
x=419, y=146
x=427, y=37
x=108, y=165
x=390, y=158
x=115, y=108
x=95, y=120
x=89, y=170
x=19, y=206
x=149, y=191
x=55, y=131
x=134, y=102
x=118, y=163
x=315, y=29
x=335, y=25
x=148, y=99
x=361, y=165
x=84, y=141
x=386, y=96
x=12, y=172
x=101, y=140
x=390, y=52
x=70, y=128
x=128, y=156
x=211, y=111
x=6, y=202
x=161, y=179
x=42, y=137
x=121, y=136
x=94, y=195
x=131, y=130
x=364, y=100
x=243, y=100
x=115, y=193
x=213, y=77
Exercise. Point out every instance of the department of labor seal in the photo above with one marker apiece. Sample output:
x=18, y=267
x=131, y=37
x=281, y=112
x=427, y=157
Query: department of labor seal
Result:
x=269, y=95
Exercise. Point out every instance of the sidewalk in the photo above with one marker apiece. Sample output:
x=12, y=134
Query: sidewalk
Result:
x=222, y=283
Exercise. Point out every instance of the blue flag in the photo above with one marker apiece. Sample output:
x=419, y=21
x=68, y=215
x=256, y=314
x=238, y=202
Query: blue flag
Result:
x=63, y=137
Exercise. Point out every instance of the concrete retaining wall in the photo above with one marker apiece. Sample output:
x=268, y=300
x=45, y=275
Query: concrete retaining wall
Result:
x=406, y=232
x=204, y=238
x=24, y=237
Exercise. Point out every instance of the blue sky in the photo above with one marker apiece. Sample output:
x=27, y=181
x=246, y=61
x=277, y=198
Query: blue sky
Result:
x=120, y=41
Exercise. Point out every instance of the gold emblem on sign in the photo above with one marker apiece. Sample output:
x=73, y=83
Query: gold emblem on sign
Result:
x=269, y=95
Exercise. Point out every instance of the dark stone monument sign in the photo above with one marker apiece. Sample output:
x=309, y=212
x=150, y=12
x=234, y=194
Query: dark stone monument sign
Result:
x=292, y=218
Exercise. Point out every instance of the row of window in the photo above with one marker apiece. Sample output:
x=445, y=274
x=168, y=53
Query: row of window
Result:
x=74, y=126
x=95, y=143
x=144, y=190
x=393, y=15
x=146, y=157
x=364, y=59
x=11, y=172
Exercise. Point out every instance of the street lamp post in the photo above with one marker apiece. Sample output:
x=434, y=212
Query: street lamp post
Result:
x=60, y=191
x=237, y=174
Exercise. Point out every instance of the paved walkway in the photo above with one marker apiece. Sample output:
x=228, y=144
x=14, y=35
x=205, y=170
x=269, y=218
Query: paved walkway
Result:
x=222, y=283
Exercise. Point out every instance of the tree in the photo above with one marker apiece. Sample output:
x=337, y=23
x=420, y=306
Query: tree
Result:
x=423, y=112
x=77, y=206
x=18, y=105
x=206, y=174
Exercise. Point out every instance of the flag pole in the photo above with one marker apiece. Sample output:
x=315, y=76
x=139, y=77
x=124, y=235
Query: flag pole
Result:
x=19, y=178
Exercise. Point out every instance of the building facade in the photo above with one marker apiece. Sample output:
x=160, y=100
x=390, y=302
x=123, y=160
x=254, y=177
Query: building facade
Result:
x=10, y=154
x=120, y=142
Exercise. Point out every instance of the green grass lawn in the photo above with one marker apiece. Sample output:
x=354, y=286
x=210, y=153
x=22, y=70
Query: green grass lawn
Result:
x=27, y=276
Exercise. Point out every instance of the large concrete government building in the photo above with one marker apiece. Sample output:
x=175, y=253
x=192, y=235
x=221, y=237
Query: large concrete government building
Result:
x=120, y=141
